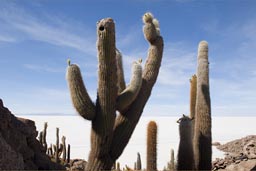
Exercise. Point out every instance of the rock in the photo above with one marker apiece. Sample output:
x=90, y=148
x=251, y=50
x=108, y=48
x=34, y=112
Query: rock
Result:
x=240, y=155
x=19, y=148
x=78, y=165
x=9, y=159
x=216, y=144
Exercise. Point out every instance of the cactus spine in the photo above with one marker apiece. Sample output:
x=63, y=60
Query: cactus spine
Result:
x=138, y=165
x=185, y=151
x=110, y=133
x=202, y=131
x=152, y=146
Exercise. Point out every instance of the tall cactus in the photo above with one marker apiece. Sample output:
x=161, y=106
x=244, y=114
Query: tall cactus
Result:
x=185, y=151
x=152, y=146
x=202, y=132
x=193, y=84
x=110, y=133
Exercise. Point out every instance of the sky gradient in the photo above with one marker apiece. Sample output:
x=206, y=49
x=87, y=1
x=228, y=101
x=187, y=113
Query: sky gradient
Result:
x=37, y=38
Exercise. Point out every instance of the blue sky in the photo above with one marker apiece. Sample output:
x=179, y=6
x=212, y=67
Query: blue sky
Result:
x=37, y=38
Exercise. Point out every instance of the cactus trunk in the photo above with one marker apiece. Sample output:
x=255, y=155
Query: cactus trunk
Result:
x=202, y=134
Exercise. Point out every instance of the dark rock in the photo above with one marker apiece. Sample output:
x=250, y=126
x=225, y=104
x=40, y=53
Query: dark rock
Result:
x=19, y=148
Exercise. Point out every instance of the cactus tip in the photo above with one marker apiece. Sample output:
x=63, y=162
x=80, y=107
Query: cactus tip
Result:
x=147, y=17
x=69, y=62
x=140, y=61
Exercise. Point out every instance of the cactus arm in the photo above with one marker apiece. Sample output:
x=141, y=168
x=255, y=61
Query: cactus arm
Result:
x=126, y=123
x=120, y=72
x=126, y=97
x=79, y=96
x=102, y=125
x=202, y=131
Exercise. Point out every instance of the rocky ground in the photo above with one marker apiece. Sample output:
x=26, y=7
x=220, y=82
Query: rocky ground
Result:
x=240, y=155
x=20, y=150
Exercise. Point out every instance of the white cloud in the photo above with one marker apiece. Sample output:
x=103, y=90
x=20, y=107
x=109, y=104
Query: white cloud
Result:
x=51, y=31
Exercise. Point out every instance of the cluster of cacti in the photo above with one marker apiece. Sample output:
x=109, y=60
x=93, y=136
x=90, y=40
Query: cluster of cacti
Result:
x=152, y=146
x=195, y=150
x=110, y=132
x=54, y=151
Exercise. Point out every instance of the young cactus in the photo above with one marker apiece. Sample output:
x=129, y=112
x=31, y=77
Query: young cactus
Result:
x=152, y=146
x=202, y=130
x=110, y=133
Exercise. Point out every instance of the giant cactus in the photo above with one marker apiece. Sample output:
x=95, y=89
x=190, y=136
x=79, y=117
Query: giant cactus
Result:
x=152, y=146
x=110, y=133
x=202, y=130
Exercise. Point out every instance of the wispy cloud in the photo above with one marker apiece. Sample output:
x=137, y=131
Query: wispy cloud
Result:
x=9, y=39
x=44, y=68
x=179, y=64
x=49, y=31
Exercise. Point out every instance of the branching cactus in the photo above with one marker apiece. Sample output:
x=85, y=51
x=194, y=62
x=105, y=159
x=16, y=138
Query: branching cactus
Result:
x=152, y=146
x=202, y=130
x=110, y=132
x=185, y=151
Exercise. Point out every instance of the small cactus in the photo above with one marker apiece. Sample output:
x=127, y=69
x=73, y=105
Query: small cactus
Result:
x=68, y=155
x=138, y=162
x=57, y=146
x=152, y=146
x=44, y=143
x=63, y=139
